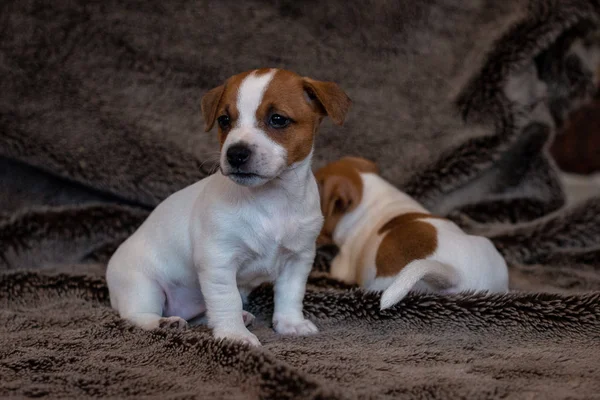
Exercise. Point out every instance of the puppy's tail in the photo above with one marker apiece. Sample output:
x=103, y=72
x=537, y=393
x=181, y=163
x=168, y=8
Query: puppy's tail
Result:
x=435, y=273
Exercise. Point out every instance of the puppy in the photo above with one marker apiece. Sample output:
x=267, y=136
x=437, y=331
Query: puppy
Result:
x=202, y=250
x=390, y=242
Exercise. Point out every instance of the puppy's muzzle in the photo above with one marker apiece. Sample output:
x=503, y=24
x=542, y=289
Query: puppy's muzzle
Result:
x=238, y=155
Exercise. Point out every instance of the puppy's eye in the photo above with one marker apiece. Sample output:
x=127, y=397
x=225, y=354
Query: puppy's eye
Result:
x=224, y=121
x=279, y=121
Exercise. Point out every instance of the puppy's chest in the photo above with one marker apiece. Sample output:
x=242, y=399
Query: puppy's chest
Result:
x=274, y=243
x=284, y=233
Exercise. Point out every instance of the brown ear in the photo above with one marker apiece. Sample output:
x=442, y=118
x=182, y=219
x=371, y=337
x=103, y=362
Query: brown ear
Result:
x=338, y=196
x=331, y=98
x=363, y=165
x=209, y=105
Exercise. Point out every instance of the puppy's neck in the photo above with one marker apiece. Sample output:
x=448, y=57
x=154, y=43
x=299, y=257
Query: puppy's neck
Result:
x=292, y=183
x=380, y=202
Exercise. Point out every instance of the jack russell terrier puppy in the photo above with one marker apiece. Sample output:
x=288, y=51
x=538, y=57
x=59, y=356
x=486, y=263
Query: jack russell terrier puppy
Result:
x=390, y=242
x=204, y=248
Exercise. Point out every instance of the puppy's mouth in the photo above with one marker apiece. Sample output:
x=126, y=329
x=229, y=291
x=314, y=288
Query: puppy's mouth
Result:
x=246, y=178
x=244, y=175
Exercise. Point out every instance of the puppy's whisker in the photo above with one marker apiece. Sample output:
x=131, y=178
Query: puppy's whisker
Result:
x=209, y=158
x=215, y=167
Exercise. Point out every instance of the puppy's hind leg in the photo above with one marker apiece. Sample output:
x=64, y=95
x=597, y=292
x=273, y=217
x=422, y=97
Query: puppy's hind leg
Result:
x=342, y=269
x=246, y=316
x=141, y=302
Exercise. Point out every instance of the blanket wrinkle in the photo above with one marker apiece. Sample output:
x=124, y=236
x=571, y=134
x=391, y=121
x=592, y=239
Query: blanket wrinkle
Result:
x=456, y=100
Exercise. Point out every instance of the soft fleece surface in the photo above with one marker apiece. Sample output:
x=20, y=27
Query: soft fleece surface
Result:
x=456, y=100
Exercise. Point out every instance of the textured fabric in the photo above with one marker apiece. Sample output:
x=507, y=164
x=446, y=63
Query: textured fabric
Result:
x=457, y=102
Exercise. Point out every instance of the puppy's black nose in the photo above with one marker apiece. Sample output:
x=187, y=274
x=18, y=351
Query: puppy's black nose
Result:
x=238, y=155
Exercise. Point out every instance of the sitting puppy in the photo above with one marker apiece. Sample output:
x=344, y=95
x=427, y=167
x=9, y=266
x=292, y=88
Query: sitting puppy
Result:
x=203, y=249
x=389, y=242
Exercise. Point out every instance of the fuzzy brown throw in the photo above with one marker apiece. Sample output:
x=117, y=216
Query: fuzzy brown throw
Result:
x=456, y=100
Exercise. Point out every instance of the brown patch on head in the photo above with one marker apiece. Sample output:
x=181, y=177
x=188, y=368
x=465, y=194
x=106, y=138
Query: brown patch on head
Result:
x=285, y=97
x=209, y=104
x=341, y=190
x=293, y=97
x=222, y=100
x=406, y=239
x=303, y=100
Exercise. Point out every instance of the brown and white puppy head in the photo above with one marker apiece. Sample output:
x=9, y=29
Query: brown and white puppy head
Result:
x=341, y=190
x=267, y=121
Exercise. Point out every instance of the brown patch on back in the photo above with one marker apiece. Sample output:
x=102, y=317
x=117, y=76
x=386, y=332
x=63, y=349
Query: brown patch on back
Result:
x=406, y=239
x=341, y=190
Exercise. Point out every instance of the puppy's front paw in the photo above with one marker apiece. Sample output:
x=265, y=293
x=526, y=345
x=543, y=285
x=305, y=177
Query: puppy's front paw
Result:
x=301, y=327
x=175, y=323
x=242, y=337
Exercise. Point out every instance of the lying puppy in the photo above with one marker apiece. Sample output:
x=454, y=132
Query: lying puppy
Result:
x=390, y=242
x=207, y=246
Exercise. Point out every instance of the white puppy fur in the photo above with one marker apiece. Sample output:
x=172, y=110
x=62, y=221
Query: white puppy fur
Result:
x=461, y=262
x=207, y=246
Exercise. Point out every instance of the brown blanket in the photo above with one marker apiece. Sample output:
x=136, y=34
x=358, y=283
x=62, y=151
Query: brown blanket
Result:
x=457, y=100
